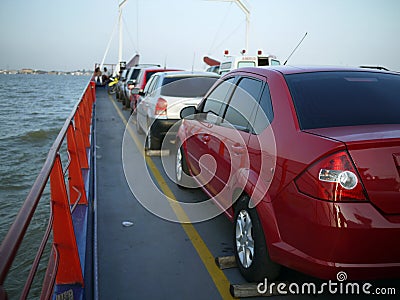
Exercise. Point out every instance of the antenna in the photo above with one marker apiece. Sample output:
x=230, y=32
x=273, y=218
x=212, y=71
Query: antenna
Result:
x=295, y=49
x=194, y=57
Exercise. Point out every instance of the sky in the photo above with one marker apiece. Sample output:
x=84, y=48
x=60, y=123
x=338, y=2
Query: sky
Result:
x=71, y=35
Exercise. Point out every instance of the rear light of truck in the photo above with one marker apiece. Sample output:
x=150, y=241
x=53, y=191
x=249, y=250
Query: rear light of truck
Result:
x=161, y=107
x=333, y=178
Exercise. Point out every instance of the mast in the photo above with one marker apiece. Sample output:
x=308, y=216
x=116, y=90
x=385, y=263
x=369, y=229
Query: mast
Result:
x=119, y=23
x=120, y=31
x=246, y=11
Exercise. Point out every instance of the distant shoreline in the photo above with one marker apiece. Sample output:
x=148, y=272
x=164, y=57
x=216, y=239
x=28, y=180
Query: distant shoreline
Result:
x=41, y=72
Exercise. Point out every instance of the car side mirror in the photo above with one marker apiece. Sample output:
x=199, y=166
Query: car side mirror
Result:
x=188, y=111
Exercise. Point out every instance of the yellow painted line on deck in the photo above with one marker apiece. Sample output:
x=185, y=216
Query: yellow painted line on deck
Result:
x=219, y=278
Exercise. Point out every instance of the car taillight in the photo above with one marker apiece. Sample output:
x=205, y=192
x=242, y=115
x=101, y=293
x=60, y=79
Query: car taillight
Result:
x=333, y=178
x=161, y=107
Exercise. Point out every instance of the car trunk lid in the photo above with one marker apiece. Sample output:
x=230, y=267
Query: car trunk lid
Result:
x=375, y=151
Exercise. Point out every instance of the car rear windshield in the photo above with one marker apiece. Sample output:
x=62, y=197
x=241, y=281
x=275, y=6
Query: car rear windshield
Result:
x=149, y=74
x=334, y=99
x=190, y=86
x=134, y=74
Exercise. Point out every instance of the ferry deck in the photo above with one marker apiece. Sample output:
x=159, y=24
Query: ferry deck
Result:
x=152, y=258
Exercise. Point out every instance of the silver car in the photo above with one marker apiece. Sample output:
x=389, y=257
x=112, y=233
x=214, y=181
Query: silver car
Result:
x=120, y=84
x=164, y=96
x=130, y=82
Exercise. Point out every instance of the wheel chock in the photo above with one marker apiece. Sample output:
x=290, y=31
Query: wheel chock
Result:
x=157, y=152
x=226, y=262
x=247, y=290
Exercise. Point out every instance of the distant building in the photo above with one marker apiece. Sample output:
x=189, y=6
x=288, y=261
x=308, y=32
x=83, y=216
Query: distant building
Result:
x=26, y=71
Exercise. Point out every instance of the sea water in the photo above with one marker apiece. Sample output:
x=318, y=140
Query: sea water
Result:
x=33, y=109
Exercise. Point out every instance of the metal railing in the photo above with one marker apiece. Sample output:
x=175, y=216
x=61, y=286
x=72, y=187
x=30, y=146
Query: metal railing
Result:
x=64, y=265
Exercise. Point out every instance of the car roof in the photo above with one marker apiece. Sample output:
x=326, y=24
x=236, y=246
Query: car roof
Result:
x=285, y=70
x=146, y=65
x=147, y=70
x=170, y=74
x=157, y=69
x=143, y=74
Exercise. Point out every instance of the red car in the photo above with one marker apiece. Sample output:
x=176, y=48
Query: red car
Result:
x=306, y=163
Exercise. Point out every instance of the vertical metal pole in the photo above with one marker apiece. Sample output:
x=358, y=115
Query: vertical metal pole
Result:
x=120, y=35
x=247, y=31
x=120, y=31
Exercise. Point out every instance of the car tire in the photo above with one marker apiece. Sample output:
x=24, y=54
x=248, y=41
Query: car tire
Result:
x=138, y=128
x=151, y=142
x=112, y=90
x=250, y=248
x=134, y=107
x=127, y=104
x=181, y=169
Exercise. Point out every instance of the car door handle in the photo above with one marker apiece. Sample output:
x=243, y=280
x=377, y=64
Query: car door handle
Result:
x=238, y=149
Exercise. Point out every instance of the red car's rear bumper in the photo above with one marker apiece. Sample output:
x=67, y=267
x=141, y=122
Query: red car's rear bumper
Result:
x=322, y=238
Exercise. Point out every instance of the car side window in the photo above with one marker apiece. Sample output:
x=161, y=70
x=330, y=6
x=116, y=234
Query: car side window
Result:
x=240, y=111
x=149, y=85
x=215, y=101
x=155, y=85
x=140, y=77
x=265, y=112
x=148, y=75
x=152, y=84
x=135, y=74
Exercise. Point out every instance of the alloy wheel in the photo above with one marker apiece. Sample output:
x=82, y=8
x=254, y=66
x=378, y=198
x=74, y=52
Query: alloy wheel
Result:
x=148, y=140
x=178, y=165
x=244, y=238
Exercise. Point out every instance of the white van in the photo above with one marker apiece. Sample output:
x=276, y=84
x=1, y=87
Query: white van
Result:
x=234, y=62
